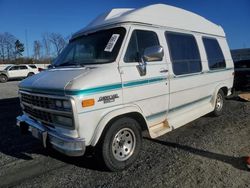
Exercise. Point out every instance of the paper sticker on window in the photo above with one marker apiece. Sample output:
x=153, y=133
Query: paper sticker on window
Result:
x=111, y=43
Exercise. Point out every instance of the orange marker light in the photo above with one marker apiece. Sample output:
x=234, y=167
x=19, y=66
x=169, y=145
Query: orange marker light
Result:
x=88, y=102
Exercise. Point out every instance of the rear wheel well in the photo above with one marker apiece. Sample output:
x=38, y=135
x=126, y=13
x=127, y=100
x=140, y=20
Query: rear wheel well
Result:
x=225, y=90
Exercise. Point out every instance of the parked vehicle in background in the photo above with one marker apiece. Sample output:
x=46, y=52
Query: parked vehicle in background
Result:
x=156, y=68
x=242, y=75
x=17, y=72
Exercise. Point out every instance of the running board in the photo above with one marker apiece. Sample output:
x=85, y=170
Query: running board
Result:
x=159, y=129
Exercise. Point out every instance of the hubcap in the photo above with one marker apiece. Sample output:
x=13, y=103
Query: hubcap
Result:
x=123, y=144
x=219, y=102
x=3, y=79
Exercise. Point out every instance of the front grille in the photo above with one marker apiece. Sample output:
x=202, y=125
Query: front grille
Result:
x=39, y=101
x=43, y=108
x=38, y=114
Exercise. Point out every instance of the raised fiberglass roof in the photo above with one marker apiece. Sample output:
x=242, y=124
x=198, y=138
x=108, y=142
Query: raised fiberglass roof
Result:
x=158, y=14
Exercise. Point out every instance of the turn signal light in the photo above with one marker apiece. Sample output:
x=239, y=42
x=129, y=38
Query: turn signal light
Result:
x=88, y=102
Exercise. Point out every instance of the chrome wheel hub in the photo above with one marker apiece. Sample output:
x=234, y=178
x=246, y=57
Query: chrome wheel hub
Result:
x=219, y=102
x=123, y=144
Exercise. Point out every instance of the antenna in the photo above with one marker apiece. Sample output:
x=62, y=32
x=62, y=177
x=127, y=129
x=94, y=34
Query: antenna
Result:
x=26, y=40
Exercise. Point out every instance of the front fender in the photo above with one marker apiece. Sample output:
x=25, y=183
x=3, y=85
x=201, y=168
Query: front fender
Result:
x=125, y=109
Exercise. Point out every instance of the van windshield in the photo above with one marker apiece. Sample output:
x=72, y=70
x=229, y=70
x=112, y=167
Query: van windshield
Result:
x=95, y=48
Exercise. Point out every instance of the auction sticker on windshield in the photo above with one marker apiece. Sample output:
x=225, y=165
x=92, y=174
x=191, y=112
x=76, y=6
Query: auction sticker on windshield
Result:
x=111, y=43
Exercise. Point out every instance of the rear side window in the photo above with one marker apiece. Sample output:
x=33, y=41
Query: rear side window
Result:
x=184, y=53
x=140, y=40
x=214, y=53
x=33, y=66
x=22, y=67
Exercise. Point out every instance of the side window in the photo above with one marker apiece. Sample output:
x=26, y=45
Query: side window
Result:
x=14, y=68
x=184, y=53
x=33, y=66
x=215, y=56
x=22, y=67
x=140, y=40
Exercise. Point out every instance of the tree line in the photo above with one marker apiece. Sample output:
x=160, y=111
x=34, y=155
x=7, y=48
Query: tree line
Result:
x=10, y=47
x=49, y=46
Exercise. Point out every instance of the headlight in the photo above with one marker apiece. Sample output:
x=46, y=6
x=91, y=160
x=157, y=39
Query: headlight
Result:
x=58, y=103
x=61, y=120
x=66, y=104
x=63, y=104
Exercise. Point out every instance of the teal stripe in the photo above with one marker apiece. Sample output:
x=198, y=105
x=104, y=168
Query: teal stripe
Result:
x=176, y=108
x=43, y=91
x=94, y=90
x=190, y=103
x=156, y=115
x=143, y=82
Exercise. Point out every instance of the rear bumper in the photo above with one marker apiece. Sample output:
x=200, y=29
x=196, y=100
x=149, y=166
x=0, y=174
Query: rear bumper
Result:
x=66, y=145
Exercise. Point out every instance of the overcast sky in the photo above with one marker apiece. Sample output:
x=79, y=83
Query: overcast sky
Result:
x=67, y=16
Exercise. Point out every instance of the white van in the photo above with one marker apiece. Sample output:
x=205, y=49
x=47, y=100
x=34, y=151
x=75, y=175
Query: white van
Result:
x=130, y=70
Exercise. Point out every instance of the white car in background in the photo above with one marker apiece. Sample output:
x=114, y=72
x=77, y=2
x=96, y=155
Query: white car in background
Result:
x=17, y=71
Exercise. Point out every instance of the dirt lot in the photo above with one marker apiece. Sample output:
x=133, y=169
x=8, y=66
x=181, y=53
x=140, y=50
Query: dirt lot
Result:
x=205, y=153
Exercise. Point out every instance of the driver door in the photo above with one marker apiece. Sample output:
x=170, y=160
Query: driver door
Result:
x=150, y=92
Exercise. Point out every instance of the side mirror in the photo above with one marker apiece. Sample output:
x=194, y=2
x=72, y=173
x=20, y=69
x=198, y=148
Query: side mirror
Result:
x=153, y=53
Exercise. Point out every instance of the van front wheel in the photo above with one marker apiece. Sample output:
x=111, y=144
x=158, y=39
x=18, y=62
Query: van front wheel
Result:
x=121, y=144
x=219, y=104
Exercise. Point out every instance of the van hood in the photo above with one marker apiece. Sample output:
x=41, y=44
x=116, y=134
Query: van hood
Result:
x=53, y=79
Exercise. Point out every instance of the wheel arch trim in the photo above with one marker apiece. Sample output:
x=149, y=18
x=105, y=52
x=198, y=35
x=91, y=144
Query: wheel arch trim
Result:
x=112, y=115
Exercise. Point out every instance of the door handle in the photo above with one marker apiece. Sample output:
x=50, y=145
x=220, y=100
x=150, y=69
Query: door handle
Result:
x=164, y=71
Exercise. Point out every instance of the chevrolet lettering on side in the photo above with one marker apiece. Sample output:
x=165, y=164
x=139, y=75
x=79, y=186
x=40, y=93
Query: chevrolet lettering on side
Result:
x=150, y=69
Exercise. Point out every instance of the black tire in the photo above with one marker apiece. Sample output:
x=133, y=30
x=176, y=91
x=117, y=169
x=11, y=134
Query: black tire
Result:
x=3, y=78
x=30, y=74
x=119, y=155
x=219, y=104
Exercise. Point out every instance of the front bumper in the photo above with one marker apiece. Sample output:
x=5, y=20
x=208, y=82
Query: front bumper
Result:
x=66, y=145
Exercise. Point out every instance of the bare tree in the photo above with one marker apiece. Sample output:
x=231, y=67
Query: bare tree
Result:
x=37, y=49
x=7, y=46
x=46, y=44
x=58, y=41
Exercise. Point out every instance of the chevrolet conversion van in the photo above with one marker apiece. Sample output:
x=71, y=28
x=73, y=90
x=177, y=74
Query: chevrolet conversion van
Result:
x=150, y=69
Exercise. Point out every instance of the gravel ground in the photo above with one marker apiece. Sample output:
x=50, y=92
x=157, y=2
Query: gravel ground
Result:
x=205, y=153
x=8, y=89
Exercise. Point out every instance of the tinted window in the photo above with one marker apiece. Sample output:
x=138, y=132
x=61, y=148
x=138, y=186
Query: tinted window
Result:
x=14, y=68
x=138, y=42
x=184, y=53
x=33, y=66
x=215, y=56
x=22, y=67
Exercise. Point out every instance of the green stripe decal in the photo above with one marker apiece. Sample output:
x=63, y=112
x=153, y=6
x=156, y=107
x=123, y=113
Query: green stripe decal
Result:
x=177, y=108
x=44, y=91
x=190, y=103
x=94, y=90
x=143, y=82
x=156, y=115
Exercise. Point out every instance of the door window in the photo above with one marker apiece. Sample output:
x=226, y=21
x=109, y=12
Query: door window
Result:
x=14, y=68
x=139, y=40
